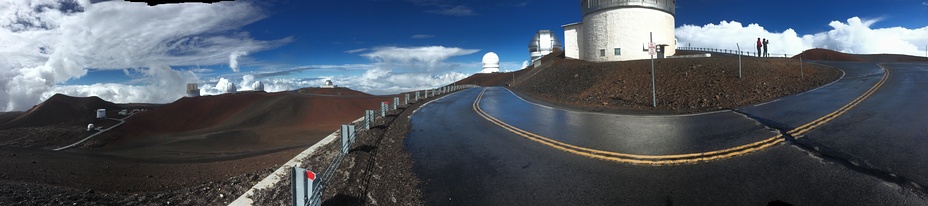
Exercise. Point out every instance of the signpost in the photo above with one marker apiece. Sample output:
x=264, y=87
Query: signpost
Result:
x=651, y=52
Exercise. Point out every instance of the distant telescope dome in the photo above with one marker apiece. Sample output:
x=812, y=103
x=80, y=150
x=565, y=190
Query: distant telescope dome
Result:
x=542, y=44
x=328, y=84
x=490, y=63
x=231, y=88
x=258, y=86
x=490, y=59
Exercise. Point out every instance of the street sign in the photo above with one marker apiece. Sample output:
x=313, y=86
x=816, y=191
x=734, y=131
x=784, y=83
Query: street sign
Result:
x=651, y=48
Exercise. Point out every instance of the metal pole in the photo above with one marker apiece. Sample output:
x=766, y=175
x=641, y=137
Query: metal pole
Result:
x=801, y=72
x=653, y=90
x=739, y=60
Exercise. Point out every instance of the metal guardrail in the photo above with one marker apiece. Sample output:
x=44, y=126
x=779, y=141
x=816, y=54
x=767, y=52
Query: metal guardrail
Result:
x=348, y=133
x=731, y=51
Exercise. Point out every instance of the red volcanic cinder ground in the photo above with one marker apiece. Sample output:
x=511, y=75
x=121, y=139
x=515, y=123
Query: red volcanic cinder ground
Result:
x=167, y=153
x=829, y=55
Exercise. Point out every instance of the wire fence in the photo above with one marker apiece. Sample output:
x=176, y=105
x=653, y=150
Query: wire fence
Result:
x=746, y=52
x=348, y=135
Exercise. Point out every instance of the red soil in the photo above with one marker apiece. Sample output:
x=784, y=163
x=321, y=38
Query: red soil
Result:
x=332, y=91
x=61, y=110
x=829, y=55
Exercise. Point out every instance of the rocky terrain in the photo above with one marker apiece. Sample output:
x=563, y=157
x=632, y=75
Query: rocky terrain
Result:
x=686, y=85
x=209, y=150
x=195, y=151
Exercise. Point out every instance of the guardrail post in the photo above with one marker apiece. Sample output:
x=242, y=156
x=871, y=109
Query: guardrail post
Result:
x=346, y=138
x=739, y=60
x=383, y=109
x=425, y=93
x=368, y=118
x=396, y=101
x=301, y=186
x=407, y=99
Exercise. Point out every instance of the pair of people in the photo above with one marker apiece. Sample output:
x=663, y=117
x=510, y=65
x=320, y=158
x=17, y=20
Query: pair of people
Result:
x=762, y=44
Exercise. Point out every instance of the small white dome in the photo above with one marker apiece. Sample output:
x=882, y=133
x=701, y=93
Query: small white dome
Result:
x=490, y=63
x=490, y=60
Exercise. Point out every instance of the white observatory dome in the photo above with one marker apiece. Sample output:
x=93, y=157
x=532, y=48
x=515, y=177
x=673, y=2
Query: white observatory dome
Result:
x=258, y=86
x=490, y=63
x=328, y=84
x=543, y=44
x=231, y=88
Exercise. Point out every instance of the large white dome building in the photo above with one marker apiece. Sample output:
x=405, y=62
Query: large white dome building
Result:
x=543, y=44
x=618, y=30
x=490, y=63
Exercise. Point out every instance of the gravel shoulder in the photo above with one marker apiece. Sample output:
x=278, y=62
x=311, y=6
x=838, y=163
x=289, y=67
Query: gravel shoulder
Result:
x=376, y=171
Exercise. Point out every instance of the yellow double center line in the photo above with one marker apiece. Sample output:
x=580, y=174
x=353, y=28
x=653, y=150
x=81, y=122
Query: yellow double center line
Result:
x=674, y=159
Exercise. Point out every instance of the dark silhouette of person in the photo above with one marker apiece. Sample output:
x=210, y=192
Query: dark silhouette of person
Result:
x=759, y=46
x=765, y=48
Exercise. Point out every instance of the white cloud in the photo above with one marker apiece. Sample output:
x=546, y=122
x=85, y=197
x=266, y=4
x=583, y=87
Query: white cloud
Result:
x=160, y=82
x=356, y=50
x=386, y=81
x=428, y=58
x=853, y=36
x=401, y=69
x=422, y=36
x=393, y=70
x=233, y=59
x=45, y=43
x=459, y=10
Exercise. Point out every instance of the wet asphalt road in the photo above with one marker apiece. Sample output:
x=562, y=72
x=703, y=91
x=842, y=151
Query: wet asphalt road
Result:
x=871, y=154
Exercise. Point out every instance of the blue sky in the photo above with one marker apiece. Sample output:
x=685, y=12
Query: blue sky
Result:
x=114, y=49
x=325, y=29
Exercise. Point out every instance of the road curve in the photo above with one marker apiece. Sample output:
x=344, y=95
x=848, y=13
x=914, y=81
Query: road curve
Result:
x=488, y=146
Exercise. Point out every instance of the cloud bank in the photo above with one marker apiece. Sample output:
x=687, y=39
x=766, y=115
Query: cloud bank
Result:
x=401, y=69
x=47, y=42
x=853, y=36
x=392, y=70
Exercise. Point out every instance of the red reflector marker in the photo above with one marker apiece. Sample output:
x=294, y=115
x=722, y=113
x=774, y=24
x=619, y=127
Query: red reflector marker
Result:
x=310, y=175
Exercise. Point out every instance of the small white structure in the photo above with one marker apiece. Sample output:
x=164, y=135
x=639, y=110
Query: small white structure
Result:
x=90, y=127
x=193, y=90
x=617, y=30
x=543, y=44
x=490, y=63
x=231, y=89
x=124, y=112
x=328, y=84
x=258, y=86
x=101, y=113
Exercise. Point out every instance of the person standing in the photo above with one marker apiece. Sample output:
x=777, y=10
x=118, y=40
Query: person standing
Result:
x=759, y=45
x=766, y=41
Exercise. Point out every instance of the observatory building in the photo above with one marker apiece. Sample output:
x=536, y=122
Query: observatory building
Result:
x=193, y=90
x=618, y=30
x=490, y=63
x=543, y=44
x=258, y=86
x=328, y=84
